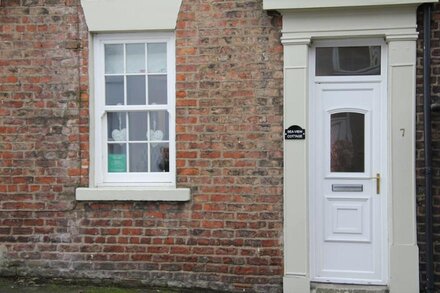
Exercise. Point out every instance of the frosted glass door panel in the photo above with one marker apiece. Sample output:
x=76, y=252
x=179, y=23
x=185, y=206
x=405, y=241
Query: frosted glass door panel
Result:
x=347, y=142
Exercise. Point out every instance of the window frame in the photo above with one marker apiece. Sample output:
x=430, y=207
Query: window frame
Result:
x=103, y=178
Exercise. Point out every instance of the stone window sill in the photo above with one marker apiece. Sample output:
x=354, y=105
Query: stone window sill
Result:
x=132, y=194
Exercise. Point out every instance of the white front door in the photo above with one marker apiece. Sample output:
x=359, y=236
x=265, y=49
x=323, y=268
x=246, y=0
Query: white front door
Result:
x=348, y=165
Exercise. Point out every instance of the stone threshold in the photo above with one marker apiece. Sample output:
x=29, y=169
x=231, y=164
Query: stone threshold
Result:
x=344, y=288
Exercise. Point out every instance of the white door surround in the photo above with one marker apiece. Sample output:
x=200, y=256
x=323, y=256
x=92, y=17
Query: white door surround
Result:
x=347, y=149
x=395, y=24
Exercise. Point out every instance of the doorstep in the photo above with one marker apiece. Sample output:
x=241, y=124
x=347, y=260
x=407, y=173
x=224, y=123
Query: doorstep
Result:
x=343, y=288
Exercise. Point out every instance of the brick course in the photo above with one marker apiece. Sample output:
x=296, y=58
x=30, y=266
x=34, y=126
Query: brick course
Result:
x=229, y=152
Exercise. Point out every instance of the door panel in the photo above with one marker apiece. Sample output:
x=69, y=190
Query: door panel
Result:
x=347, y=219
x=347, y=211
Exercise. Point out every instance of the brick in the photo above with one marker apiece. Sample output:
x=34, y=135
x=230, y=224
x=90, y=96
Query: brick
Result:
x=212, y=224
x=113, y=248
x=109, y=231
x=132, y=231
x=141, y=257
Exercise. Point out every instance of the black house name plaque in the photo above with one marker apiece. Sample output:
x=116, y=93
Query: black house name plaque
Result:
x=295, y=132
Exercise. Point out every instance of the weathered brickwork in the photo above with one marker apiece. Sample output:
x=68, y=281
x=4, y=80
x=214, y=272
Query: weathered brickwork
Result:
x=435, y=91
x=229, y=142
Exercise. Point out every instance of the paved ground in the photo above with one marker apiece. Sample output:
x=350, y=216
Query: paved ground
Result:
x=27, y=286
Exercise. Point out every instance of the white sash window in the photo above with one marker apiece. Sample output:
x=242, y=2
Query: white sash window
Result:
x=134, y=109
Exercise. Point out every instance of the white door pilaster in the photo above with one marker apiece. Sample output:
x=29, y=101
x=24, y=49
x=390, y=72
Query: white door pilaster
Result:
x=404, y=262
x=296, y=243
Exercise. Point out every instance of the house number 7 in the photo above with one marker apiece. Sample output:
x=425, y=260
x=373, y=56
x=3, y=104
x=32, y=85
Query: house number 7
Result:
x=403, y=131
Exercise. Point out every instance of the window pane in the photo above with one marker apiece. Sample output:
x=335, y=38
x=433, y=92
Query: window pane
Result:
x=114, y=90
x=117, y=157
x=138, y=157
x=136, y=90
x=159, y=126
x=114, y=59
x=157, y=58
x=160, y=157
x=116, y=125
x=157, y=90
x=336, y=61
x=347, y=142
x=135, y=58
x=138, y=126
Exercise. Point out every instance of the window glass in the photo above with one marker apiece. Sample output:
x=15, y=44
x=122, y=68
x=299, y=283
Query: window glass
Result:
x=117, y=126
x=136, y=90
x=138, y=122
x=137, y=133
x=157, y=58
x=114, y=59
x=160, y=157
x=117, y=158
x=114, y=90
x=138, y=157
x=135, y=58
x=147, y=139
x=159, y=125
x=157, y=89
x=347, y=151
x=337, y=61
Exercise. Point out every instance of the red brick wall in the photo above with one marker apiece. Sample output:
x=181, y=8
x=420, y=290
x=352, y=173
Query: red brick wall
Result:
x=229, y=142
x=435, y=92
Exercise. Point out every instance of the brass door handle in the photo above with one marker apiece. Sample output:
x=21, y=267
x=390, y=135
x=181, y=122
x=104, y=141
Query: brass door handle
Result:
x=377, y=178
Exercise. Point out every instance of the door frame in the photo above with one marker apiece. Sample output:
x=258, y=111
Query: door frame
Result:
x=313, y=148
x=396, y=25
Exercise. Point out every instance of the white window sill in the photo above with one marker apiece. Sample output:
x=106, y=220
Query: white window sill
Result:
x=132, y=194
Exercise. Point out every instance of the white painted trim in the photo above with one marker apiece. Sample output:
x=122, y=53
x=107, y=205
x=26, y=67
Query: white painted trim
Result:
x=384, y=162
x=133, y=194
x=404, y=255
x=296, y=258
x=402, y=37
x=98, y=110
x=308, y=4
x=368, y=22
x=293, y=283
x=295, y=67
x=286, y=40
x=130, y=15
x=92, y=125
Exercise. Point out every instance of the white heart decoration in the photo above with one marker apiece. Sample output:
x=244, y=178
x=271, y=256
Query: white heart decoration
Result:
x=156, y=135
x=119, y=135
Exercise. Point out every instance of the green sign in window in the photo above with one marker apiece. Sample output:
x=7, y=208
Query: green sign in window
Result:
x=117, y=163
